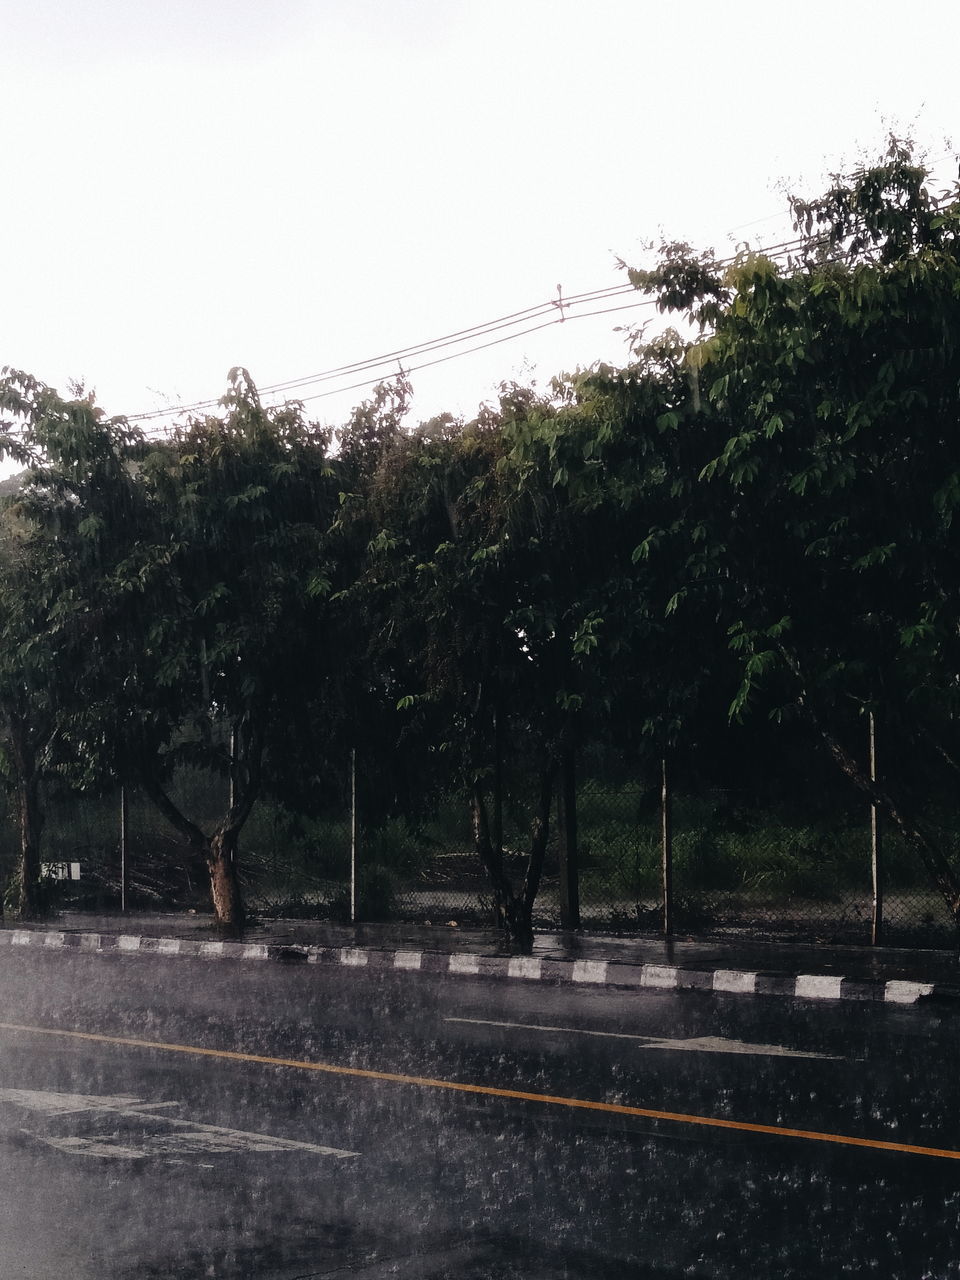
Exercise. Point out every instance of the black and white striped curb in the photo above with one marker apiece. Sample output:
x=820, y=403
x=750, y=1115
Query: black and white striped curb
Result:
x=584, y=973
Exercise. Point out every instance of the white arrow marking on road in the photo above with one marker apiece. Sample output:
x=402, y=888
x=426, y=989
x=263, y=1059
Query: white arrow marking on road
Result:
x=104, y=1149
x=192, y=1137
x=701, y=1044
x=69, y=1104
x=715, y=1044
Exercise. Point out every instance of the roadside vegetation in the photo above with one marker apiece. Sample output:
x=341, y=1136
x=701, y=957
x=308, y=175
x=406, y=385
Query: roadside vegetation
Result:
x=742, y=542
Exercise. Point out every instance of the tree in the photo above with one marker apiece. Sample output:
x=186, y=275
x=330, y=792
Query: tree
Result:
x=240, y=505
x=28, y=702
x=193, y=571
x=51, y=535
x=829, y=472
x=516, y=605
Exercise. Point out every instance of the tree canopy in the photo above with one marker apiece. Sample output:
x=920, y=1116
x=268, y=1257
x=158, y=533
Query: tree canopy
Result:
x=754, y=516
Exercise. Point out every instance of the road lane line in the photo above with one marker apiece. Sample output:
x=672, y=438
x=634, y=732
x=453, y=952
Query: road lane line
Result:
x=704, y=1044
x=487, y=1091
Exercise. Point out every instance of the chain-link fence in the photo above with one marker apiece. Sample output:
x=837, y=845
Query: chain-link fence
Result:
x=740, y=870
x=740, y=867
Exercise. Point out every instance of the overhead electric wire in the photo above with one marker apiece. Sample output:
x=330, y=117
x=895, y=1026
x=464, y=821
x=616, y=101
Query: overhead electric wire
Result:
x=559, y=310
x=555, y=307
x=320, y=395
x=454, y=355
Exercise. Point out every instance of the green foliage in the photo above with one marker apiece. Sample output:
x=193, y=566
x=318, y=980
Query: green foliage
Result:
x=760, y=522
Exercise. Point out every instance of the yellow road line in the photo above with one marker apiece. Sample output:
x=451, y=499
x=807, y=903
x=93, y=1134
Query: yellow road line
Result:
x=489, y=1091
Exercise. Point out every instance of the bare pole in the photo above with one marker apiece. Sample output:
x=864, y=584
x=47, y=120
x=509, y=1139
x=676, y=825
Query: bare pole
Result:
x=124, y=840
x=496, y=834
x=232, y=790
x=353, y=835
x=876, y=845
x=666, y=848
x=567, y=824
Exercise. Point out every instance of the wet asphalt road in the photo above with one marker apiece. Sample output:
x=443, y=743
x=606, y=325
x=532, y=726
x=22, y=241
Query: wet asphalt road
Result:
x=154, y=1160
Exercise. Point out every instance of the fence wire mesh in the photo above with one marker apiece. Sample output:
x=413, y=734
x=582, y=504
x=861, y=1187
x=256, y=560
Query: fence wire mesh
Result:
x=740, y=868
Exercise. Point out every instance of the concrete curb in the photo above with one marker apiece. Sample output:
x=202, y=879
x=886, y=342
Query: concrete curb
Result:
x=581, y=973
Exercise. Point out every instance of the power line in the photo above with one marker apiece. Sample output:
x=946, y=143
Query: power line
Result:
x=550, y=312
x=556, y=308
x=455, y=355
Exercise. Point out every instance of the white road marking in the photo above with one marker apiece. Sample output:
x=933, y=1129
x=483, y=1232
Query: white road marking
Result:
x=70, y=1104
x=734, y=980
x=93, y=1147
x=899, y=992
x=818, y=986
x=715, y=1044
x=658, y=975
x=700, y=1044
x=190, y=1138
x=590, y=971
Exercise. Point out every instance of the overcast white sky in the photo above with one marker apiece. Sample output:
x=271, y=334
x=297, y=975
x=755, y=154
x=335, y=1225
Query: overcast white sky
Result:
x=300, y=184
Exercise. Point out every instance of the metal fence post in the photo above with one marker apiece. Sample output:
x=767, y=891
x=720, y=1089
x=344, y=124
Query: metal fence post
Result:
x=567, y=822
x=876, y=845
x=124, y=841
x=353, y=835
x=232, y=785
x=666, y=848
x=496, y=834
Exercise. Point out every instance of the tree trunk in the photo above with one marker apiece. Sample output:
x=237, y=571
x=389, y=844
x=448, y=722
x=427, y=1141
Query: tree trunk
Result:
x=491, y=855
x=30, y=818
x=514, y=910
x=228, y=912
x=28, y=904
x=219, y=853
x=539, y=835
x=219, y=850
x=932, y=857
